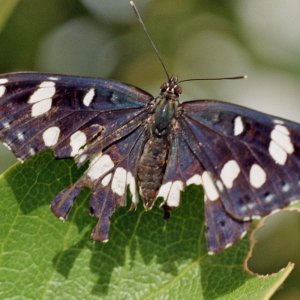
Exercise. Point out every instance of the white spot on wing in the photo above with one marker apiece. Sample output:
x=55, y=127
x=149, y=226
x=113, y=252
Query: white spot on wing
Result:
x=229, y=173
x=227, y=245
x=31, y=151
x=118, y=184
x=51, y=135
x=20, y=160
x=174, y=195
x=42, y=98
x=77, y=140
x=6, y=146
x=195, y=179
x=82, y=158
x=164, y=190
x=3, y=81
x=2, y=90
x=20, y=136
x=5, y=124
x=106, y=180
x=88, y=98
x=209, y=187
x=132, y=187
x=220, y=185
x=276, y=121
x=268, y=198
x=282, y=129
x=243, y=234
x=238, y=125
x=41, y=107
x=281, y=144
x=257, y=176
x=99, y=166
x=45, y=91
x=280, y=135
x=286, y=187
x=277, y=153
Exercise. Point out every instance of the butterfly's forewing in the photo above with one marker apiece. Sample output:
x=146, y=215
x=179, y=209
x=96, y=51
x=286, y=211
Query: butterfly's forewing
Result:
x=66, y=113
x=90, y=119
x=251, y=159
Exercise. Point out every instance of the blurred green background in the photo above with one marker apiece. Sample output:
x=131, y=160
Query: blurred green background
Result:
x=260, y=38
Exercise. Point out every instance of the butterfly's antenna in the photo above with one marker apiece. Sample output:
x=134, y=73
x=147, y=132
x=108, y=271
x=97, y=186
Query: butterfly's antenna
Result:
x=217, y=78
x=149, y=38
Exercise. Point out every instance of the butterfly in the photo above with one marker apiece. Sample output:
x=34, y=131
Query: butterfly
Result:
x=150, y=147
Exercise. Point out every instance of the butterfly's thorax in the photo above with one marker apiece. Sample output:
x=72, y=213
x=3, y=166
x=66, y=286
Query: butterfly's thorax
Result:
x=155, y=153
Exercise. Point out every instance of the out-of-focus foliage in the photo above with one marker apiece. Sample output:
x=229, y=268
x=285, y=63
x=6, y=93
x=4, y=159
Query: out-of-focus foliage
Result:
x=197, y=38
x=7, y=7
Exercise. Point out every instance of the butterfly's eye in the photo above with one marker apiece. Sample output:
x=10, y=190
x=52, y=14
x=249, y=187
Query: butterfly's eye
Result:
x=164, y=86
x=177, y=90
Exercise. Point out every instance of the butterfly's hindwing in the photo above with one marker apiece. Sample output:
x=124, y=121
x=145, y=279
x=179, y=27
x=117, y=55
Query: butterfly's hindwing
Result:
x=182, y=169
x=222, y=231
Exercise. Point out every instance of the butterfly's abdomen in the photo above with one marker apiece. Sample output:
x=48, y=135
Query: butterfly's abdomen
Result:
x=152, y=168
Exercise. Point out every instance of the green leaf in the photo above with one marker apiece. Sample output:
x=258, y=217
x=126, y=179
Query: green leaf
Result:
x=146, y=257
x=7, y=8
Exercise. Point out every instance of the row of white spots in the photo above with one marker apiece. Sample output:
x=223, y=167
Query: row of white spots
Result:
x=280, y=145
x=51, y=135
x=42, y=98
x=2, y=86
x=77, y=141
x=120, y=180
x=103, y=164
x=89, y=96
x=238, y=126
x=229, y=173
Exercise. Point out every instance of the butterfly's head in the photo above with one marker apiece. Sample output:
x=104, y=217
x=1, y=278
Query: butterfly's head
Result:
x=171, y=89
